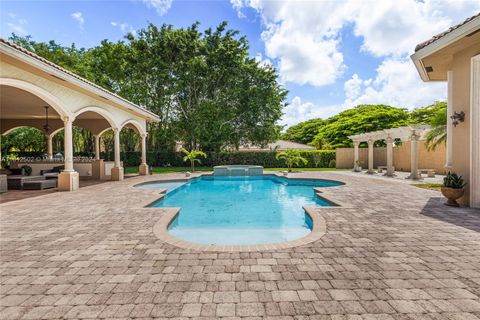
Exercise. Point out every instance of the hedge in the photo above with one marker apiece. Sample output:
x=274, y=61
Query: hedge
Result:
x=175, y=159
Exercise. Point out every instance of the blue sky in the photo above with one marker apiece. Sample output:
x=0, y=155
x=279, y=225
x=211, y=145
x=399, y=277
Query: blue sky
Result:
x=331, y=55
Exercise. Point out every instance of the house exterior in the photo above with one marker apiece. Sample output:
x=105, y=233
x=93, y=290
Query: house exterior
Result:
x=280, y=145
x=454, y=56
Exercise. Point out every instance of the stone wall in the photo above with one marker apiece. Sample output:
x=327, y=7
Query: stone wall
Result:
x=401, y=157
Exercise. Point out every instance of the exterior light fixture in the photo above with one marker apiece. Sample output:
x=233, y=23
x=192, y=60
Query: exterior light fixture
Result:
x=46, y=127
x=458, y=117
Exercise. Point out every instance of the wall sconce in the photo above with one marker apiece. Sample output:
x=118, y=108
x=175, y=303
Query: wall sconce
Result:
x=457, y=117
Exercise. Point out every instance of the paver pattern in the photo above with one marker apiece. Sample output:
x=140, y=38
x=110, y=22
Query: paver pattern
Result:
x=392, y=251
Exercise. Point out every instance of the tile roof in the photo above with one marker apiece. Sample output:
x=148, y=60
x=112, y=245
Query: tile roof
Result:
x=56, y=66
x=443, y=34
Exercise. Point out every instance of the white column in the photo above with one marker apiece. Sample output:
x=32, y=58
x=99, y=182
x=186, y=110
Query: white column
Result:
x=143, y=169
x=68, y=179
x=414, y=157
x=97, y=147
x=117, y=170
x=355, y=155
x=474, y=183
x=370, y=156
x=116, y=133
x=390, y=169
x=50, y=146
x=449, y=145
x=144, y=149
x=68, y=144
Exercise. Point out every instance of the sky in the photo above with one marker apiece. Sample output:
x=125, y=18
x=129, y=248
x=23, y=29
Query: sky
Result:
x=330, y=55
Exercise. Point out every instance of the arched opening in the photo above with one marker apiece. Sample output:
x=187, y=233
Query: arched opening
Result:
x=132, y=141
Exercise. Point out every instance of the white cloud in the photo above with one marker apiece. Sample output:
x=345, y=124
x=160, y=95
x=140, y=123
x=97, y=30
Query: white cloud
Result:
x=397, y=83
x=304, y=36
x=161, y=6
x=17, y=25
x=298, y=111
x=124, y=27
x=303, y=39
x=78, y=16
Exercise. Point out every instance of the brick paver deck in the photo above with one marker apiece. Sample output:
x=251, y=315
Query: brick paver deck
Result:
x=393, y=251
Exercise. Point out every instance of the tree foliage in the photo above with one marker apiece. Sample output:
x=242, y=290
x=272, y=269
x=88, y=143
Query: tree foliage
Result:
x=292, y=158
x=304, y=132
x=361, y=119
x=193, y=156
x=205, y=88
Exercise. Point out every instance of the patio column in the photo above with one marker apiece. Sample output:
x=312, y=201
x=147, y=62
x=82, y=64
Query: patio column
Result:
x=68, y=179
x=390, y=169
x=97, y=147
x=143, y=166
x=117, y=170
x=50, y=146
x=355, y=155
x=414, y=157
x=370, y=156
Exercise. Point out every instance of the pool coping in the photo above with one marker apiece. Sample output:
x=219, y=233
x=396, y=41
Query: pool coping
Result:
x=160, y=228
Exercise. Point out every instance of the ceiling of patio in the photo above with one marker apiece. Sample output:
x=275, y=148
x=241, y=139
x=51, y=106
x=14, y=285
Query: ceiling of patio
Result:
x=22, y=108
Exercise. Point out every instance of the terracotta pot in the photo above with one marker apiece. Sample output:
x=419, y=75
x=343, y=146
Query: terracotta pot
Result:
x=452, y=195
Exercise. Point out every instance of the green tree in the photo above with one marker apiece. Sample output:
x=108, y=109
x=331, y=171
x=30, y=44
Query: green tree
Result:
x=25, y=139
x=361, y=119
x=291, y=158
x=192, y=156
x=304, y=132
x=438, y=134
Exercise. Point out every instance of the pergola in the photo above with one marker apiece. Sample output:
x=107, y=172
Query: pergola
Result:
x=407, y=133
x=29, y=84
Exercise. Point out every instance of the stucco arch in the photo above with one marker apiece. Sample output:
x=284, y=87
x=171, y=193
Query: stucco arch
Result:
x=18, y=127
x=136, y=124
x=104, y=113
x=43, y=94
x=103, y=131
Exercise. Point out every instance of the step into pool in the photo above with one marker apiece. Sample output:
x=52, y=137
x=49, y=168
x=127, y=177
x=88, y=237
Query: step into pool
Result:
x=242, y=210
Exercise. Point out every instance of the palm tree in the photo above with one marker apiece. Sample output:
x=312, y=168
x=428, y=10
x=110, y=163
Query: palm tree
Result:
x=438, y=133
x=192, y=156
x=292, y=158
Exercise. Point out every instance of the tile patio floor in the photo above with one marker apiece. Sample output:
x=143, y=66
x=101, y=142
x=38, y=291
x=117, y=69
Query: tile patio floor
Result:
x=393, y=251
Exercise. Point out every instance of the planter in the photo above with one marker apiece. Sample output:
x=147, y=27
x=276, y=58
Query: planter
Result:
x=357, y=169
x=452, y=195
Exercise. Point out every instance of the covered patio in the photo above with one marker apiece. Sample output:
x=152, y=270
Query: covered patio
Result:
x=37, y=93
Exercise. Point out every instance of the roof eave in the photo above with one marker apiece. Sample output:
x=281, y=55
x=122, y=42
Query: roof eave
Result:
x=441, y=43
x=30, y=60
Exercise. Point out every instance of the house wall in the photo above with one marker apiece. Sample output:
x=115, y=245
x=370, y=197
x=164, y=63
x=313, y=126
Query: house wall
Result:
x=401, y=157
x=461, y=66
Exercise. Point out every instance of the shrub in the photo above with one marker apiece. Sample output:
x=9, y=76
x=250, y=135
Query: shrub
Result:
x=332, y=163
x=267, y=159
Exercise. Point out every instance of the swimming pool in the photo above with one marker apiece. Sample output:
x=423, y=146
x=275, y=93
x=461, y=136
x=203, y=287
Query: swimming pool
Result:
x=242, y=210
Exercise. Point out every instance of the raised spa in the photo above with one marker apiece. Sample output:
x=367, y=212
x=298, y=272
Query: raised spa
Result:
x=241, y=210
x=238, y=170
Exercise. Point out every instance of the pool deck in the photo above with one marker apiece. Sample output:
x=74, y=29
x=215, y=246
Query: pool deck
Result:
x=391, y=251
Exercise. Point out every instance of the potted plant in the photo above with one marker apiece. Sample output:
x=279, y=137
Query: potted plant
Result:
x=452, y=188
x=358, y=166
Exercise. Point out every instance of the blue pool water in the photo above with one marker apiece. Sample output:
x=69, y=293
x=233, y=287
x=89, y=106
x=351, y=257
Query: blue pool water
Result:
x=242, y=210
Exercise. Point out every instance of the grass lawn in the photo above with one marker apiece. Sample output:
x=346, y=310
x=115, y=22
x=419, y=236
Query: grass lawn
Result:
x=431, y=186
x=163, y=170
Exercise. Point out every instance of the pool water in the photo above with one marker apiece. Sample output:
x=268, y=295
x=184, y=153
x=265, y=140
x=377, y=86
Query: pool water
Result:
x=242, y=210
